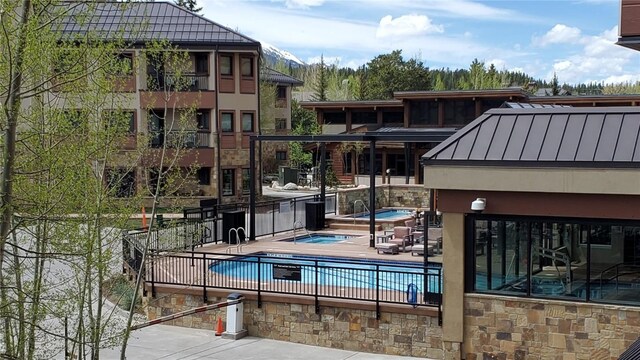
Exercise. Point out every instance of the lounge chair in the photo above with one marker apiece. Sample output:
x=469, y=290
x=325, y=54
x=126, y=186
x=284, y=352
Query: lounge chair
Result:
x=402, y=237
x=418, y=249
x=387, y=248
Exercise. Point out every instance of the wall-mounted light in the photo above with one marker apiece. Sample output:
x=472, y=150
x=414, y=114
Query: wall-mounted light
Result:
x=478, y=205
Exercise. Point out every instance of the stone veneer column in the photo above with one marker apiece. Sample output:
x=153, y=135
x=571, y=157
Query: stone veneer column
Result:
x=453, y=291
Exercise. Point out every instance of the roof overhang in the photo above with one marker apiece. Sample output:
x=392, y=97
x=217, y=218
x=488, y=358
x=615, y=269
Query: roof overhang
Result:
x=342, y=105
x=631, y=42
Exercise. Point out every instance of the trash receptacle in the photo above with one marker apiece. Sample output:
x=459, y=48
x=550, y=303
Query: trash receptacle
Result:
x=314, y=215
x=233, y=220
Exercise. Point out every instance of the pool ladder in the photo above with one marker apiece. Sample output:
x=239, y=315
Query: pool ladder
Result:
x=239, y=244
x=299, y=223
x=364, y=209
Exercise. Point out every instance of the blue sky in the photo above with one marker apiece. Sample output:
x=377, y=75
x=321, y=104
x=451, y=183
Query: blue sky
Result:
x=576, y=39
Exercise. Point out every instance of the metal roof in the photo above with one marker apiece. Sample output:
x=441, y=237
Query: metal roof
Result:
x=518, y=105
x=557, y=137
x=273, y=76
x=461, y=94
x=140, y=22
x=632, y=353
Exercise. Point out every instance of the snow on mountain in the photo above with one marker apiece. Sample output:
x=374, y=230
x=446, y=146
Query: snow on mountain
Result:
x=275, y=55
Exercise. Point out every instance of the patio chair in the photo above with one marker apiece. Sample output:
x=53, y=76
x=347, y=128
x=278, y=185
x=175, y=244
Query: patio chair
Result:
x=402, y=237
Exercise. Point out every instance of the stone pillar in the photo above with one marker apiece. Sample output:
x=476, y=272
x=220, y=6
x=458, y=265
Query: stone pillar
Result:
x=453, y=290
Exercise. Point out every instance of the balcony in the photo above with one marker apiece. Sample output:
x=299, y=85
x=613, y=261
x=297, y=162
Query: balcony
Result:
x=180, y=139
x=158, y=81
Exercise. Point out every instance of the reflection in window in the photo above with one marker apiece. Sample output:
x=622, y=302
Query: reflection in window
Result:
x=590, y=261
x=246, y=66
x=226, y=65
x=246, y=182
x=247, y=122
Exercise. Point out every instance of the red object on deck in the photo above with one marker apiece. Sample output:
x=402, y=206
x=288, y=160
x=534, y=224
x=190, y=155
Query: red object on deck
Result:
x=219, y=328
x=144, y=219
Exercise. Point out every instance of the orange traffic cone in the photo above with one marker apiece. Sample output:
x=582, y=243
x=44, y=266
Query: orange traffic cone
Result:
x=144, y=219
x=219, y=328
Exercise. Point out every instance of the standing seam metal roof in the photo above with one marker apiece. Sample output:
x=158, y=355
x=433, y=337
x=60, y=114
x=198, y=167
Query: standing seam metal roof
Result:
x=280, y=78
x=144, y=21
x=578, y=137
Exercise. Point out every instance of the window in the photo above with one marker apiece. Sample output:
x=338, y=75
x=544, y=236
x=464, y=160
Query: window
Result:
x=75, y=121
x=202, y=117
x=335, y=118
x=226, y=65
x=228, y=182
x=423, y=112
x=281, y=124
x=364, y=117
x=202, y=63
x=124, y=64
x=346, y=166
x=246, y=181
x=121, y=182
x=204, y=176
x=281, y=92
x=246, y=66
x=247, y=122
x=281, y=155
x=226, y=122
x=459, y=112
x=554, y=258
x=119, y=121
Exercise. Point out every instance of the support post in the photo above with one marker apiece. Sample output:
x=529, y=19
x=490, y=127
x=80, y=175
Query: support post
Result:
x=372, y=193
x=252, y=189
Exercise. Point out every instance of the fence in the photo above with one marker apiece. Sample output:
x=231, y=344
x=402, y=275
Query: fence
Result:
x=334, y=279
x=272, y=217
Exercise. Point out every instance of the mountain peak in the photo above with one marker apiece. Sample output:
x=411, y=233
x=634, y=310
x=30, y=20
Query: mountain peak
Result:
x=274, y=55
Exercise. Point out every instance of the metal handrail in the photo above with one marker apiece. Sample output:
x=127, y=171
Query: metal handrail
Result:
x=364, y=208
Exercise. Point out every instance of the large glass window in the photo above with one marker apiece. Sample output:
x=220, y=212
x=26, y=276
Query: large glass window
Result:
x=424, y=113
x=584, y=260
x=246, y=66
x=364, y=117
x=459, y=112
x=335, y=118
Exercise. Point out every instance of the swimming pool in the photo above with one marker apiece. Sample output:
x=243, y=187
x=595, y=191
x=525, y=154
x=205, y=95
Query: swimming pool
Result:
x=319, y=239
x=331, y=271
x=388, y=214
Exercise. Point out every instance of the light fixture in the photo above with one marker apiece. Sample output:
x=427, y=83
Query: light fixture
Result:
x=478, y=205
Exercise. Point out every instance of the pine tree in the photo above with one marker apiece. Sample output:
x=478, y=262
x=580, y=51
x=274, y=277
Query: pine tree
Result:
x=190, y=5
x=555, y=88
x=439, y=85
x=321, y=84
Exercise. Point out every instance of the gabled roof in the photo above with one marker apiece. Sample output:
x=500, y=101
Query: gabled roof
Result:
x=277, y=77
x=557, y=137
x=140, y=22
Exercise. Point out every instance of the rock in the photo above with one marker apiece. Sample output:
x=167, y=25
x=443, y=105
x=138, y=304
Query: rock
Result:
x=290, y=186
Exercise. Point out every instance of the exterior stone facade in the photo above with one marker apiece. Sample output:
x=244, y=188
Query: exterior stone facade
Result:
x=524, y=329
x=350, y=327
x=407, y=196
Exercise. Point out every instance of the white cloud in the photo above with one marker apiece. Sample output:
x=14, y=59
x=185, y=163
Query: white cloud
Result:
x=406, y=25
x=499, y=64
x=302, y=4
x=559, y=34
x=616, y=79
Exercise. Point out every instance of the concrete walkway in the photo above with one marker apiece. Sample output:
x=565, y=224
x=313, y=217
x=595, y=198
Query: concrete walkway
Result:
x=173, y=342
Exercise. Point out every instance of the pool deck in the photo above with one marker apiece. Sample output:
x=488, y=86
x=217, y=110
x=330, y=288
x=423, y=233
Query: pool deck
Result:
x=356, y=247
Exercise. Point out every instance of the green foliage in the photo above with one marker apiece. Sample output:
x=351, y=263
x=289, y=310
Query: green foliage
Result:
x=190, y=5
x=121, y=291
x=555, y=88
x=303, y=121
x=321, y=82
x=331, y=179
x=389, y=73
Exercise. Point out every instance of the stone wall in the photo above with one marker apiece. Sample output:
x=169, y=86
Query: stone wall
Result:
x=522, y=329
x=402, y=196
x=350, y=328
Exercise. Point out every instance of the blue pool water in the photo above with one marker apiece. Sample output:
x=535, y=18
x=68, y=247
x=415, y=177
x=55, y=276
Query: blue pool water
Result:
x=319, y=239
x=387, y=214
x=334, y=271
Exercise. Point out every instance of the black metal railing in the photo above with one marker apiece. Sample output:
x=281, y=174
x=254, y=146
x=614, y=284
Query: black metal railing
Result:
x=282, y=274
x=272, y=217
x=180, y=139
x=159, y=81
